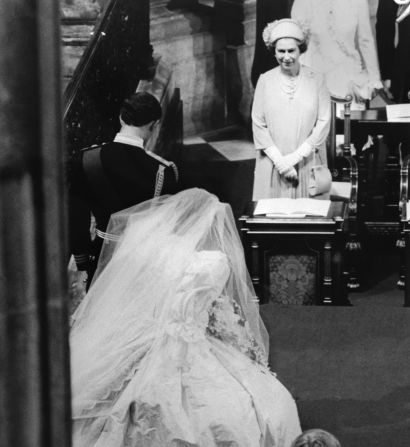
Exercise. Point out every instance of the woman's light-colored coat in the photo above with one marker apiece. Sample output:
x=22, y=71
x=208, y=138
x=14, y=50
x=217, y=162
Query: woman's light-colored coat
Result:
x=285, y=122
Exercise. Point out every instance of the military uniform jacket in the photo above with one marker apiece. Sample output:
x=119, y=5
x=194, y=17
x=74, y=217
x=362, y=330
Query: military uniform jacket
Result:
x=132, y=175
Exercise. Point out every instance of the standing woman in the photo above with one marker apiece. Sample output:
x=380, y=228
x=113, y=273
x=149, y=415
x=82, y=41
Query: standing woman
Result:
x=290, y=117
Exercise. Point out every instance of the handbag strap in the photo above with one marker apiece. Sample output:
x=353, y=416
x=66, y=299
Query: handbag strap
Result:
x=317, y=158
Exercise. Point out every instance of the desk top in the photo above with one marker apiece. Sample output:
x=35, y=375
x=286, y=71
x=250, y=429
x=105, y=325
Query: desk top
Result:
x=334, y=221
x=373, y=116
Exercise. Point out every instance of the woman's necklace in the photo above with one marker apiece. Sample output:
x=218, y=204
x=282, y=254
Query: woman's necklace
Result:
x=289, y=83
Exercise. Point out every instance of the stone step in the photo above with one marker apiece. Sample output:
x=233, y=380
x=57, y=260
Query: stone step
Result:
x=76, y=32
x=80, y=9
x=77, y=25
x=75, y=35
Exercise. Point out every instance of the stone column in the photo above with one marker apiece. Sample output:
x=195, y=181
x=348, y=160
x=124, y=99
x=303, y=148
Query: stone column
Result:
x=238, y=18
x=34, y=379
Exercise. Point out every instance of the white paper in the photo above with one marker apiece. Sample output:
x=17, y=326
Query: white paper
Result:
x=398, y=113
x=292, y=207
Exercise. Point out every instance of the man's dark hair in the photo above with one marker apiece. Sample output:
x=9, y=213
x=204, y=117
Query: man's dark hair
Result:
x=139, y=109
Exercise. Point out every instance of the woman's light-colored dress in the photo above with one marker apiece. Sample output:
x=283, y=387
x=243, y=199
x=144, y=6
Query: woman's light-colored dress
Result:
x=201, y=383
x=286, y=121
x=340, y=44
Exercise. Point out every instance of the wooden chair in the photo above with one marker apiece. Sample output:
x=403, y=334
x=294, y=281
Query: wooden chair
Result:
x=404, y=241
x=344, y=171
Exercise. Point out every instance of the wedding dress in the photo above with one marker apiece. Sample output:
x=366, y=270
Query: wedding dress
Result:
x=340, y=45
x=168, y=348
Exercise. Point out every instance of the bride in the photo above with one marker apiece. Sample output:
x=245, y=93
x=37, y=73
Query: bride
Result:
x=167, y=347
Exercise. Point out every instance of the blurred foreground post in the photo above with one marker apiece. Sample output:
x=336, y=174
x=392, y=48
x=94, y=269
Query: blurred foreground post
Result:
x=34, y=369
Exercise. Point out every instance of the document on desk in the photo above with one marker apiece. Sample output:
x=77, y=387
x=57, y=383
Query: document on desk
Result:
x=285, y=207
x=398, y=113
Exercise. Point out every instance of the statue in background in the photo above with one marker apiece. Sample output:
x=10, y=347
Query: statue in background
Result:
x=341, y=46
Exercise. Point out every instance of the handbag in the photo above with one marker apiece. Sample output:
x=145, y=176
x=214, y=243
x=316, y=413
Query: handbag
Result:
x=320, y=179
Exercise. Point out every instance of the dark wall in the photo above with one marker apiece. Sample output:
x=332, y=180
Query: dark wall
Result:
x=348, y=369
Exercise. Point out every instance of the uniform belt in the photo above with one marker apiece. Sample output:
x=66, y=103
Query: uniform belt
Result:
x=107, y=236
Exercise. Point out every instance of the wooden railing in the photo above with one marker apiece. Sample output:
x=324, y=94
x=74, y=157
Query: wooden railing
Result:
x=117, y=57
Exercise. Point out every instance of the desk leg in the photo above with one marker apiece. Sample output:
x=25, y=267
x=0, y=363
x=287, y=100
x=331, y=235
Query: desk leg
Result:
x=327, y=274
x=407, y=270
x=254, y=270
x=401, y=246
x=339, y=275
x=354, y=253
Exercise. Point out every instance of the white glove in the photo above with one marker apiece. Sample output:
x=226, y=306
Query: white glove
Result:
x=290, y=174
x=305, y=149
x=277, y=158
x=292, y=159
x=298, y=155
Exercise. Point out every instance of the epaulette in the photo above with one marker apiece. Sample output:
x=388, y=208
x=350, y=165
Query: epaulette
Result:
x=94, y=146
x=169, y=164
x=159, y=158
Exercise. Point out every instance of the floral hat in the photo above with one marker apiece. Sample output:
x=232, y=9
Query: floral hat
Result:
x=280, y=29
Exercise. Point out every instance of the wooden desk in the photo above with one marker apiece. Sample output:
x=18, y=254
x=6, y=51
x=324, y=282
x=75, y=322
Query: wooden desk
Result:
x=322, y=237
x=374, y=120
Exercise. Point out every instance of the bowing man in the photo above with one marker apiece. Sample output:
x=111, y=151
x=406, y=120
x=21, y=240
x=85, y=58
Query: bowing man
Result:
x=113, y=176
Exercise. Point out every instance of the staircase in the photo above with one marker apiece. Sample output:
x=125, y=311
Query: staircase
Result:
x=77, y=24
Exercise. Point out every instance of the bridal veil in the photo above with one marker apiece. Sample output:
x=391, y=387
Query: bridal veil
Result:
x=146, y=253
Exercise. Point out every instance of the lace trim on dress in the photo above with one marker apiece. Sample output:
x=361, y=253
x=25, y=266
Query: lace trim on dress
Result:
x=227, y=323
x=145, y=418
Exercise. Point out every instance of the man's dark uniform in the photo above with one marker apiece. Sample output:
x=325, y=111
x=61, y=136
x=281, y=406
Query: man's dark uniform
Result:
x=394, y=61
x=106, y=179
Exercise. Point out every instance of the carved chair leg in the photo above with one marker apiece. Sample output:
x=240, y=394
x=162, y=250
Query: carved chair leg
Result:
x=327, y=282
x=406, y=250
x=353, y=252
x=401, y=245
